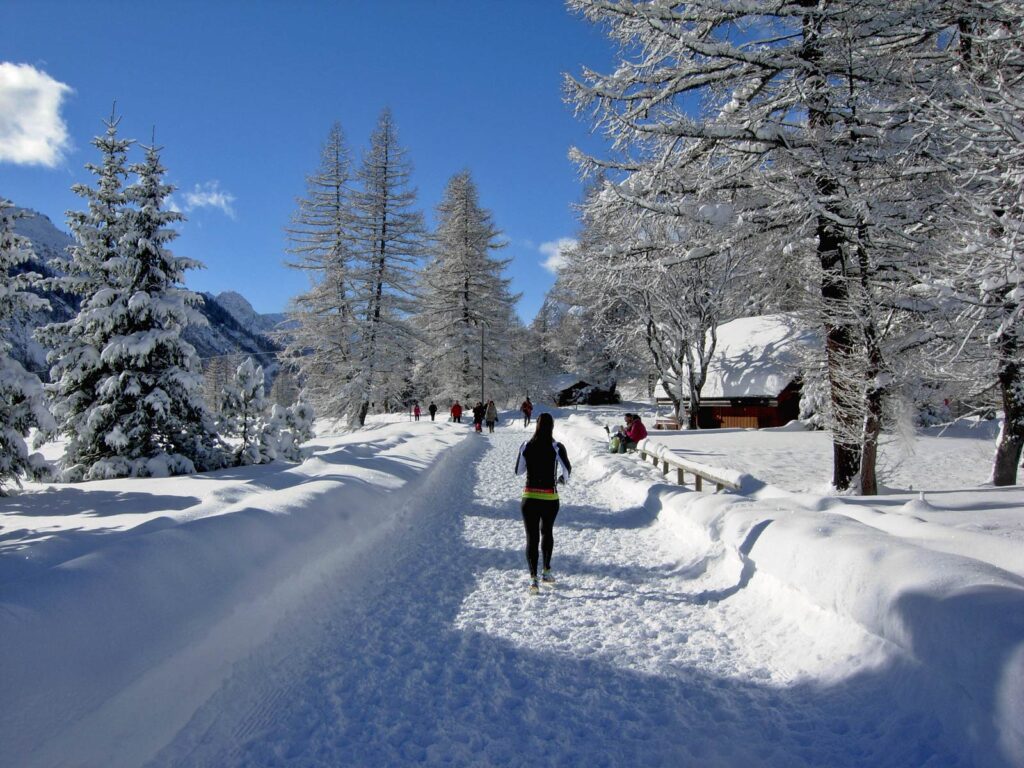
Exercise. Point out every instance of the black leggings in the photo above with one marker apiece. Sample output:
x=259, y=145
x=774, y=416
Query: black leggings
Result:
x=539, y=518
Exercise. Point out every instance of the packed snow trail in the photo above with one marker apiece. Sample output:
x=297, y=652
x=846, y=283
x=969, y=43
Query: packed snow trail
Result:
x=430, y=651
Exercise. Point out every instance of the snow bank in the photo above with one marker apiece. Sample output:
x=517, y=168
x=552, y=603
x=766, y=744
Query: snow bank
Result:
x=961, y=618
x=159, y=614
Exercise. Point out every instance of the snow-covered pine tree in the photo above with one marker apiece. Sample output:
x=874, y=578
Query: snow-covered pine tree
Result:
x=22, y=400
x=243, y=416
x=466, y=308
x=148, y=417
x=158, y=387
x=74, y=358
x=320, y=237
x=387, y=244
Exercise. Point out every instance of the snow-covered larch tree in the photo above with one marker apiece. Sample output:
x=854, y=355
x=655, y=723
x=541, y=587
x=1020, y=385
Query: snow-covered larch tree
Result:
x=654, y=287
x=22, y=400
x=320, y=237
x=465, y=305
x=387, y=243
x=794, y=113
x=976, y=109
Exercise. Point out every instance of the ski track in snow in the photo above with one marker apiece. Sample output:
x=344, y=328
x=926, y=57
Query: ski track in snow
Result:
x=647, y=652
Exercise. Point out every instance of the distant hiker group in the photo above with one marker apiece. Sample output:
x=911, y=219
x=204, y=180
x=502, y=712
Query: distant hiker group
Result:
x=431, y=409
x=484, y=414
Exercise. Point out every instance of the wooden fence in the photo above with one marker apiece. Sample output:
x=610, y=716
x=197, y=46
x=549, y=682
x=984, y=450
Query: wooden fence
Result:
x=661, y=455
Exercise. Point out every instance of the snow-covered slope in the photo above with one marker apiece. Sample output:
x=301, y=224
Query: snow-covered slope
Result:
x=240, y=309
x=48, y=243
x=224, y=335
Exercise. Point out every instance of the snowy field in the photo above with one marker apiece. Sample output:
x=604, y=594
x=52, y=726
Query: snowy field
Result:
x=369, y=608
x=933, y=483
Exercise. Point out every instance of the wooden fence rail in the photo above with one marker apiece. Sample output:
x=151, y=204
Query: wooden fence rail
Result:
x=661, y=455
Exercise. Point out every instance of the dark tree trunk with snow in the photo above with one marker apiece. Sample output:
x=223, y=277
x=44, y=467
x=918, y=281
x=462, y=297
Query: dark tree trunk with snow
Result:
x=839, y=337
x=1011, y=389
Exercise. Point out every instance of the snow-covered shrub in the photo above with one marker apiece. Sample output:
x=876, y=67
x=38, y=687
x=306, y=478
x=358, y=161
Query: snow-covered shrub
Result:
x=929, y=402
x=243, y=416
x=294, y=426
x=22, y=406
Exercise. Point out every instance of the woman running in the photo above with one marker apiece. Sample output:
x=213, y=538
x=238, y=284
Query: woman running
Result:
x=546, y=464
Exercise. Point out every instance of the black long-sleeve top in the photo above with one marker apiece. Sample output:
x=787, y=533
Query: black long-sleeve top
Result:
x=542, y=463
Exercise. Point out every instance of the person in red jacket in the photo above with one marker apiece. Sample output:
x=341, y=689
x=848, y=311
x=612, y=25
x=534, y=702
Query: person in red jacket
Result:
x=457, y=413
x=527, y=409
x=632, y=433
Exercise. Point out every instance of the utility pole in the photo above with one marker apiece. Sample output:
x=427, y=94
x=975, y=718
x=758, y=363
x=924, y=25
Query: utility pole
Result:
x=482, y=400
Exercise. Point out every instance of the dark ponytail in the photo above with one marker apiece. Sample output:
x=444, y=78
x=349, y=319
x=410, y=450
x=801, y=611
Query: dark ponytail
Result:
x=545, y=430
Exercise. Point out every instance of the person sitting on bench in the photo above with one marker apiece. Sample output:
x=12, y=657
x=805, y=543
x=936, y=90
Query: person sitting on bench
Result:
x=632, y=433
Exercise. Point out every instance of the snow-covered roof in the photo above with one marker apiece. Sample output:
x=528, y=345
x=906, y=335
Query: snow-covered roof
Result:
x=755, y=357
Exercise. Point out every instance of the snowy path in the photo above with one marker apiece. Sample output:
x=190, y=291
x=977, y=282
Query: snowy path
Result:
x=645, y=653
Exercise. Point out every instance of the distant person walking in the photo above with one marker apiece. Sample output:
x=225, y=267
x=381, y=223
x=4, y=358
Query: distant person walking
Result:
x=432, y=409
x=527, y=409
x=478, y=416
x=546, y=464
x=416, y=411
x=491, y=415
x=457, y=412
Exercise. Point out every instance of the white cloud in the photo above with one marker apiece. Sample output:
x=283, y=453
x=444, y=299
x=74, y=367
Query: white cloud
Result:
x=209, y=195
x=32, y=131
x=554, y=251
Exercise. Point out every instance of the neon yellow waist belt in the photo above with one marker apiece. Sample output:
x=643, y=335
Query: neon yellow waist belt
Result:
x=547, y=494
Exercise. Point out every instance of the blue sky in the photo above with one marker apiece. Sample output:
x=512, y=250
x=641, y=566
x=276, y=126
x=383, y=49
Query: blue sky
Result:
x=242, y=94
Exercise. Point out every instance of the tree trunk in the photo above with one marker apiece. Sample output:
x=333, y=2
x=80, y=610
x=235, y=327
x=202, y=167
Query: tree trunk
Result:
x=834, y=291
x=869, y=446
x=845, y=451
x=838, y=346
x=694, y=408
x=1011, y=436
x=677, y=410
x=877, y=387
